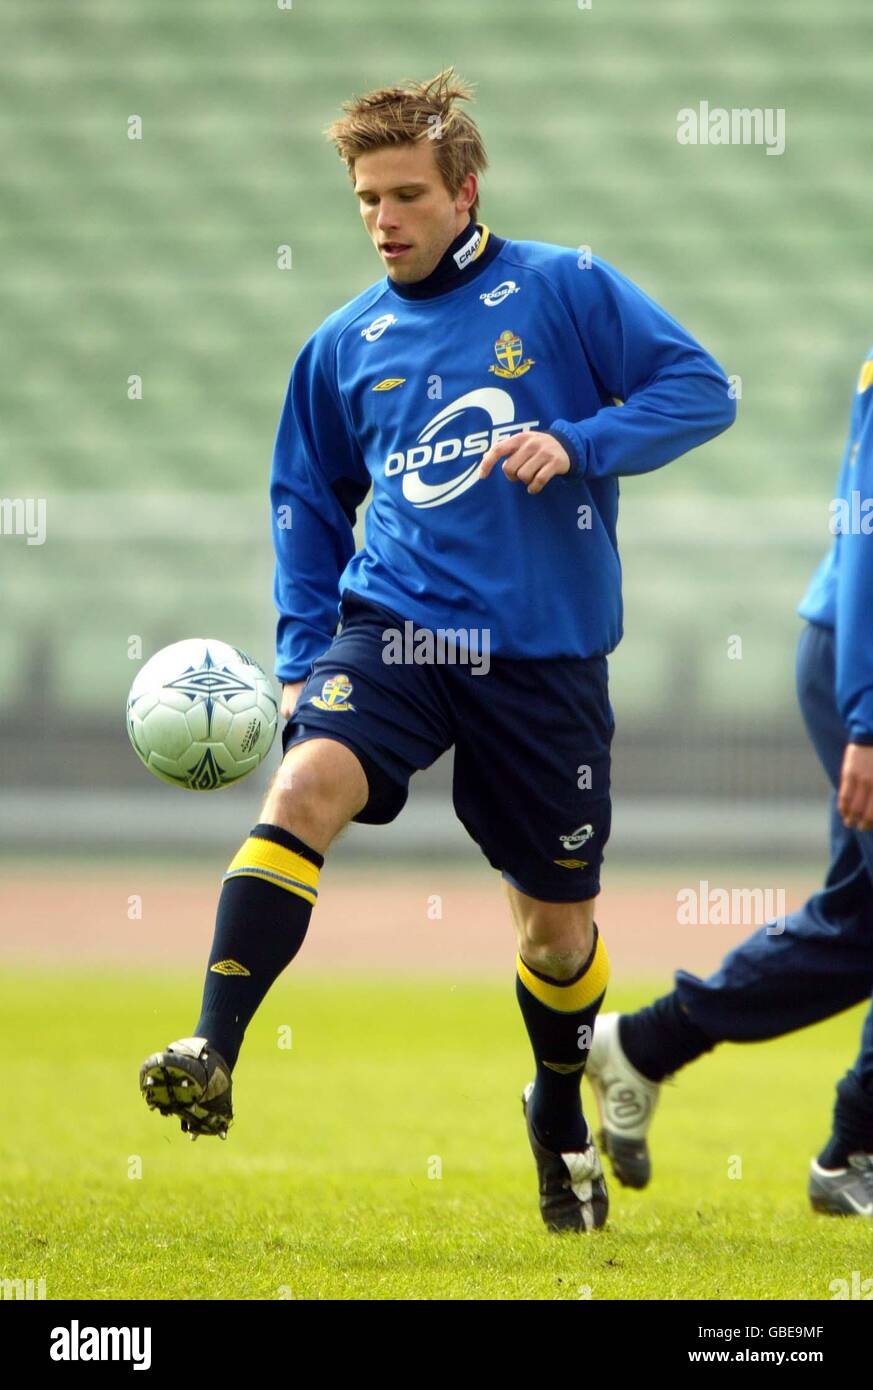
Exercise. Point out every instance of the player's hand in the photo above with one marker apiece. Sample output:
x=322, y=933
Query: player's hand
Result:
x=855, y=797
x=531, y=457
x=290, y=696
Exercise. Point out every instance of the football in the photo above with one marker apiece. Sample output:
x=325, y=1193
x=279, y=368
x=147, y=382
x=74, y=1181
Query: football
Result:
x=201, y=714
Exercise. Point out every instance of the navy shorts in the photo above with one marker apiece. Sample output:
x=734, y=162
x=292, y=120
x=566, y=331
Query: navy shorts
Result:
x=531, y=741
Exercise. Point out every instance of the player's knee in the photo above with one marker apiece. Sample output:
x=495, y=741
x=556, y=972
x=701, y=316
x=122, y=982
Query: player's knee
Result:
x=559, y=960
x=316, y=792
x=554, y=938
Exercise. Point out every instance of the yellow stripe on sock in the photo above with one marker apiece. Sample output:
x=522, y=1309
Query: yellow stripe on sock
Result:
x=276, y=864
x=569, y=999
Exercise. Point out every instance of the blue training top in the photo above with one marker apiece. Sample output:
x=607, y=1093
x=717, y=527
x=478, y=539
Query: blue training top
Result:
x=841, y=592
x=407, y=386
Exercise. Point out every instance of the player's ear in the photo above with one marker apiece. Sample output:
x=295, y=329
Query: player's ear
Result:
x=467, y=193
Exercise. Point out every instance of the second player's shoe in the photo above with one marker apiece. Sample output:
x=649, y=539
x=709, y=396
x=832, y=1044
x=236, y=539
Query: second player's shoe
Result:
x=190, y=1080
x=843, y=1191
x=626, y=1101
x=572, y=1187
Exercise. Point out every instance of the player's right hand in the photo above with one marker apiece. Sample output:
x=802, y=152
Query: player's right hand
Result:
x=290, y=696
x=855, y=796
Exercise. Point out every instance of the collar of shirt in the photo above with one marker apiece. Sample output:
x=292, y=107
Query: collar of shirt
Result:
x=471, y=252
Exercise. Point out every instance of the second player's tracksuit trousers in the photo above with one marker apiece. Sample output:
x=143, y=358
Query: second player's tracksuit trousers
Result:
x=822, y=962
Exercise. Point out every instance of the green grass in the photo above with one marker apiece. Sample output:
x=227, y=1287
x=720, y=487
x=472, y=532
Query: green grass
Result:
x=322, y=1190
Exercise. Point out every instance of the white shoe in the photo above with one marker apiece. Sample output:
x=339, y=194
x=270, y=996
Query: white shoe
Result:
x=626, y=1101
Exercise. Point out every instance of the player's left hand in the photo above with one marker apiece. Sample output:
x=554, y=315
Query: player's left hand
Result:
x=531, y=457
x=855, y=797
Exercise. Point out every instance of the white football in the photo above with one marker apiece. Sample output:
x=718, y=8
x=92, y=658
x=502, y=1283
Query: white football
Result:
x=201, y=714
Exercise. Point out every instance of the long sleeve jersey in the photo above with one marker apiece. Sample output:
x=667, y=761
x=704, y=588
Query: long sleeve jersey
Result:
x=404, y=391
x=840, y=595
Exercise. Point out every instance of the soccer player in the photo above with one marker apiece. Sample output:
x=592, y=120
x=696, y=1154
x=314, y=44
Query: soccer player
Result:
x=820, y=960
x=480, y=609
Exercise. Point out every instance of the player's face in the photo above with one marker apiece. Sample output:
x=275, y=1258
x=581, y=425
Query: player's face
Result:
x=409, y=213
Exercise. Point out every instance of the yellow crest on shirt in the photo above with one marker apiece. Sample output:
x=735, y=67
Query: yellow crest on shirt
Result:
x=866, y=378
x=508, y=351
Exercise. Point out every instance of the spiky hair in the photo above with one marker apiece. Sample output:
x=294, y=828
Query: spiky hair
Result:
x=409, y=113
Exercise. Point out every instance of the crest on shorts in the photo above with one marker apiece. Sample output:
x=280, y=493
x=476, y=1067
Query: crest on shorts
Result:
x=577, y=838
x=334, y=695
x=508, y=351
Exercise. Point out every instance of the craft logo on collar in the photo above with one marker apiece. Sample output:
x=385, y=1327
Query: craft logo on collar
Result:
x=499, y=293
x=377, y=327
x=468, y=250
x=334, y=695
x=508, y=351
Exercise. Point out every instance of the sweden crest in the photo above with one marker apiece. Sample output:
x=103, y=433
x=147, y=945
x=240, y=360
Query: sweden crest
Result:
x=334, y=695
x=508, y=351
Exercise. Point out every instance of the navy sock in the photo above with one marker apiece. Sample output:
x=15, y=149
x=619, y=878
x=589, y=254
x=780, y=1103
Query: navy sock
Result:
x=661, y=1038
x=266, y=902
x=853, y=1124
x=559, y=1016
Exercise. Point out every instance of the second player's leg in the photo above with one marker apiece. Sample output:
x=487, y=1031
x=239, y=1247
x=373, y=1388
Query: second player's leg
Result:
x=841, y=1178
x=787, y=975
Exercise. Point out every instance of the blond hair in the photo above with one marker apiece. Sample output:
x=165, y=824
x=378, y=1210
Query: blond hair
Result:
x=407, y=114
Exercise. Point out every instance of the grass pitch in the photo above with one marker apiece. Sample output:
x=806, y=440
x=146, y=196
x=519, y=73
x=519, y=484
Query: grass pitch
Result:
x=383, y=1155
